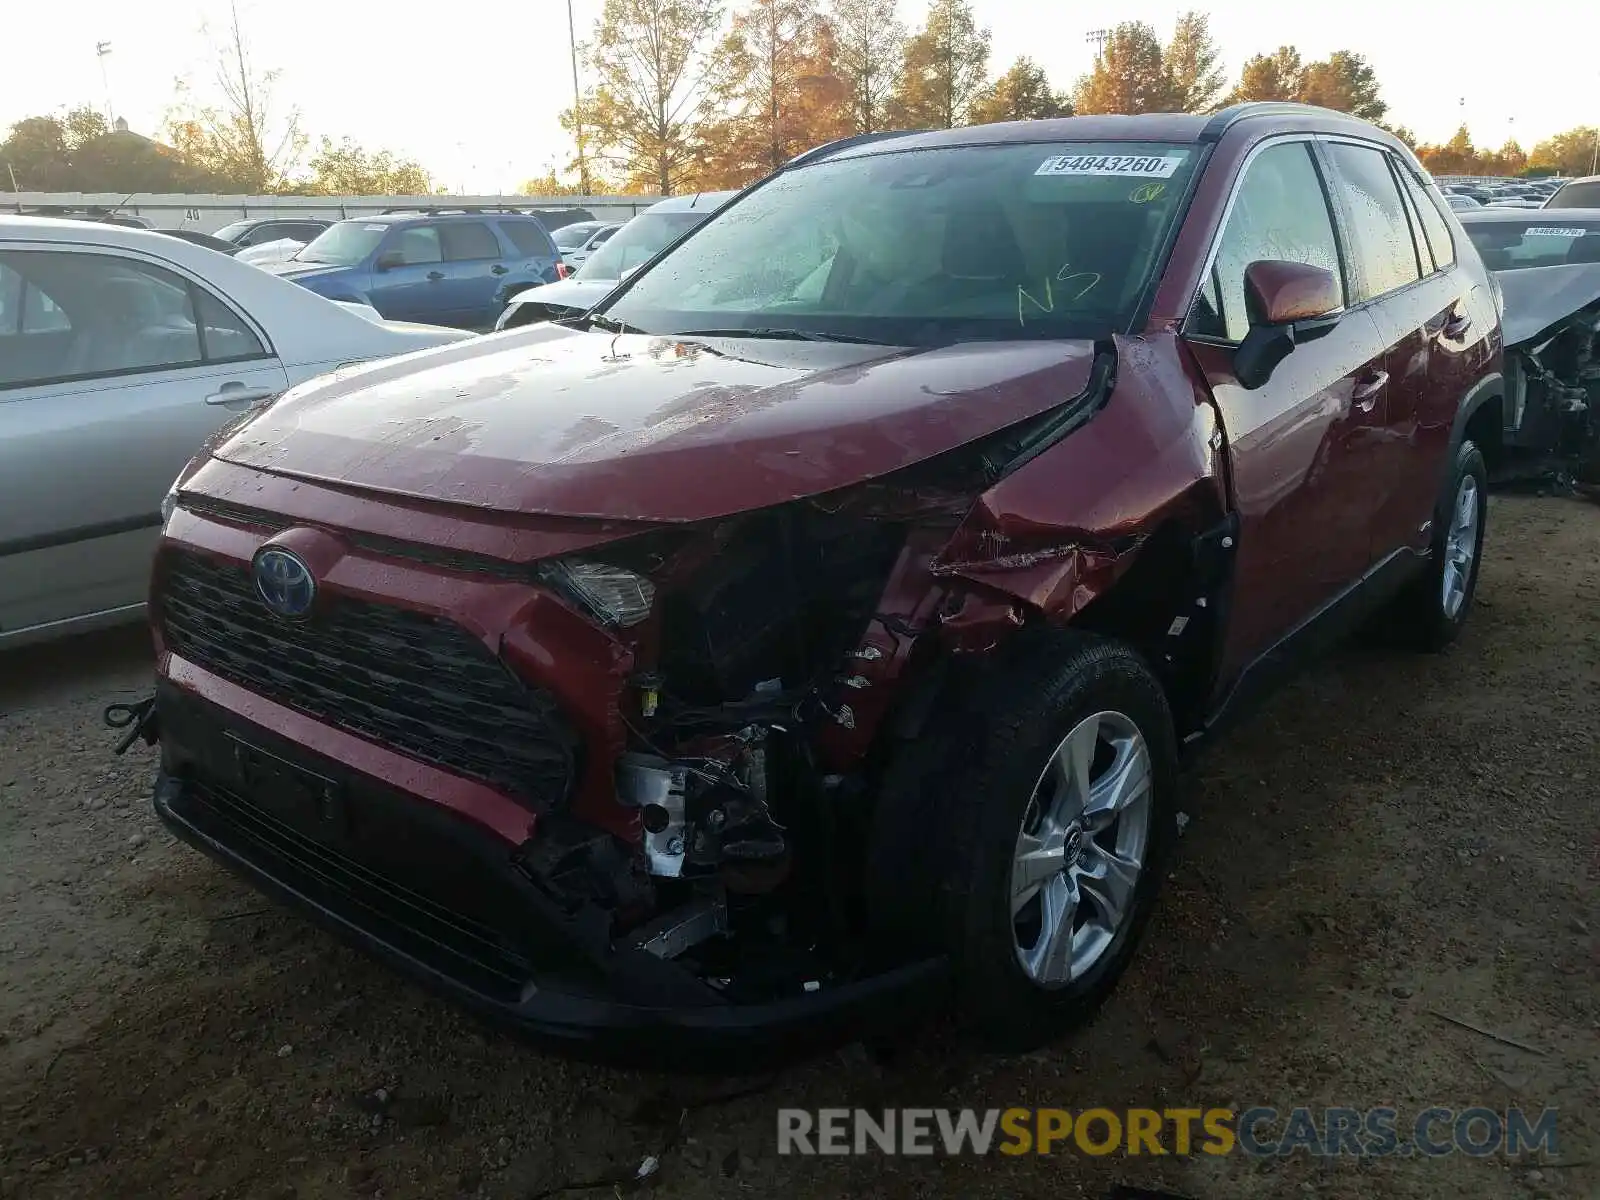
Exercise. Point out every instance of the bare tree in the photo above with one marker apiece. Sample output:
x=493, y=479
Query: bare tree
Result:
x=241, y=136
x=871, y=46
x=655, y=65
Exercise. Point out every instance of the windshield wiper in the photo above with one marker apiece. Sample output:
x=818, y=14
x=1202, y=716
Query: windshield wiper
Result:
x=790, y=335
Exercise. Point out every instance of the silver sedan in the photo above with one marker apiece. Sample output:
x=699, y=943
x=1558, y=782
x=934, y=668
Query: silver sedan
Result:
x=121, y=351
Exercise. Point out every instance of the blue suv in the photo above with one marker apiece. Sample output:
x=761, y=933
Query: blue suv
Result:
x=438, y=267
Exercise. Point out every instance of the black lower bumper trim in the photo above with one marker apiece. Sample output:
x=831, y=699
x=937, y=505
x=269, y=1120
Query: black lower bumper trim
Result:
x=552, y=1012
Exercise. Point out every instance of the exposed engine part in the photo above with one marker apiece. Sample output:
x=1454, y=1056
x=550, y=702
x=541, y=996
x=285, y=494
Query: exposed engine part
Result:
x=701, y=812
x=787, y=595
x=656, y=787
x=648, y=684
x=684, y=927
x=1552, y=410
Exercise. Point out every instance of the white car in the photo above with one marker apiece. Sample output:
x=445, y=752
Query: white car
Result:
x=263, y=253
x=631, y=245
x=121, y=351
x=582, y=238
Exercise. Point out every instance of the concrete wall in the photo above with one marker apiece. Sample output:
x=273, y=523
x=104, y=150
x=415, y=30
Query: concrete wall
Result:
x=208, y=213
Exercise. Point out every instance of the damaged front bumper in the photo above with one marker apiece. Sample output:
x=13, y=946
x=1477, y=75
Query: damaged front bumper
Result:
x=447, y=904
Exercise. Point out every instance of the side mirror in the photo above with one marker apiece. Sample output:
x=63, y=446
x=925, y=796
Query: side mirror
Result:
x=1288, y=303
x=389, y=260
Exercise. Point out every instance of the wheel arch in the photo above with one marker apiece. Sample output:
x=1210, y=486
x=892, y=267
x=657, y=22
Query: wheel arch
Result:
x=1481, y=416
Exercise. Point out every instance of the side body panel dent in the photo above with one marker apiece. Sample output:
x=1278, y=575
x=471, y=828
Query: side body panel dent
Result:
x=1064, y=528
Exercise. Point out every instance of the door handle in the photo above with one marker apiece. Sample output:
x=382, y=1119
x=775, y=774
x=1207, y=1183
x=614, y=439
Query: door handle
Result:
x=239, y=393
x=1456, y=325
x=435, y=276
x=1365, y=393
x=497, y=269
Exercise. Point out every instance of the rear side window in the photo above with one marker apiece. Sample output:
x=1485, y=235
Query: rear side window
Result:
x=1434, y=228
x=97, y=315
x=224, y=337
x=419, y=244
x=10, y=301
x=528, y=237
x=1279, y=212
x=467, y=240
x=1384, y=252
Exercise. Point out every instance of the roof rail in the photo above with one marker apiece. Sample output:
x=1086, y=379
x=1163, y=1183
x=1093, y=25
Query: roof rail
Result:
x=829, y=149
x=1227, y=118
x=443, y=209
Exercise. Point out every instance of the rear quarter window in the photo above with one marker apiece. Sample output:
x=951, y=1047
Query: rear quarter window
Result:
x=529, y=238
x=467, y=241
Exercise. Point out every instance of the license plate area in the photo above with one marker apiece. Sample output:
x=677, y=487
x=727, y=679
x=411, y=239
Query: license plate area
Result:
x=311, y=803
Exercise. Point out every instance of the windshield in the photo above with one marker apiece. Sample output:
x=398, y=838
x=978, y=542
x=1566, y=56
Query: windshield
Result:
x=929, y=246
x=570, y=237
x=344, y=244
x=1540, y=242
x=1576, y=195
x=637, y=242
x=228, y=232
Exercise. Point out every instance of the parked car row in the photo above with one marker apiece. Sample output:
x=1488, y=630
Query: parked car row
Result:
x=447, y=268
x=455, y=267
x=805, y=628
x=1502, y=193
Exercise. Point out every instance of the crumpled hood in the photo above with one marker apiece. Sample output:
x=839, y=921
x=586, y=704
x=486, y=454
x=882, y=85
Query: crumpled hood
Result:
x=632, y=427
x=1538, y=298
x=298, y=271
x=572, y=293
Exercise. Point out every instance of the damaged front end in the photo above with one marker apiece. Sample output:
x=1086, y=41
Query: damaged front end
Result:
x=764, y=658
x=672, y=737
x=1550, y=427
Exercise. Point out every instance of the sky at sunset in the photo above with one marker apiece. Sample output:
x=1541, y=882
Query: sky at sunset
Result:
x=472, y=91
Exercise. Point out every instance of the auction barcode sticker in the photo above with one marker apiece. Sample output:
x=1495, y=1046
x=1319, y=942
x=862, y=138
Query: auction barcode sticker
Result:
x=1556, y=231
x=1144, y=166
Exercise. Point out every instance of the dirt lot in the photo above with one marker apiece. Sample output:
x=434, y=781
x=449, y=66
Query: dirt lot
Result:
x=1395, y=838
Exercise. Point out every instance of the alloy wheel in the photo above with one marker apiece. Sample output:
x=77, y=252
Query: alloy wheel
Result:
x=1081, y=849
x=1460, y=547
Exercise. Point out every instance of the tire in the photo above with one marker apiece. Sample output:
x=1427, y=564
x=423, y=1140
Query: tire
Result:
x=946, y=849
x=1425, y=616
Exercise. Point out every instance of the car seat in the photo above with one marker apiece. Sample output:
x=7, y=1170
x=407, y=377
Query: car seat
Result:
x=129, y=330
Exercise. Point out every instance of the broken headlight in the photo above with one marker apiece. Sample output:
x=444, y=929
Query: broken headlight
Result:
x=617, y=596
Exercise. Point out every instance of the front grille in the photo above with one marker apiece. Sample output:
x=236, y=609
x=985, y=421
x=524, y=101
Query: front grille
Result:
x=464, y=947
x=417, y=684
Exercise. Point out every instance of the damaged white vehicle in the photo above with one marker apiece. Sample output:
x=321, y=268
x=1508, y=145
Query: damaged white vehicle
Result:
x=1547, y=267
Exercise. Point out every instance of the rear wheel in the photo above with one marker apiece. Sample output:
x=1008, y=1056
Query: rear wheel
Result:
x=1429, y=614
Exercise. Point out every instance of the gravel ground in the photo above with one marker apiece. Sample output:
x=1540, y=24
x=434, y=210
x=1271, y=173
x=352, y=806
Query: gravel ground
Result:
x=1393, y=839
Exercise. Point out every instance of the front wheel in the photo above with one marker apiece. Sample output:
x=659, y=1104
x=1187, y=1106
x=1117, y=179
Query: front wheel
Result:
x=1055, y=827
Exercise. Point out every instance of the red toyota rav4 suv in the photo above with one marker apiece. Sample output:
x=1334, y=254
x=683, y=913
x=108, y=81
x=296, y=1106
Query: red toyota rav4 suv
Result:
x=815, y=626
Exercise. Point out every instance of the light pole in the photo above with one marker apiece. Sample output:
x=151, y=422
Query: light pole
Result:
x=577, y=102
x=102, y=51
x=1098, y=38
